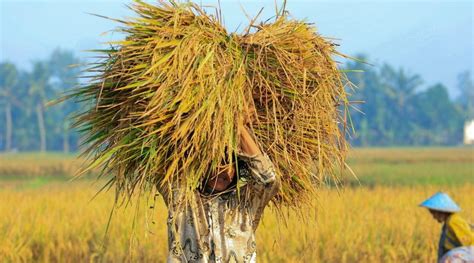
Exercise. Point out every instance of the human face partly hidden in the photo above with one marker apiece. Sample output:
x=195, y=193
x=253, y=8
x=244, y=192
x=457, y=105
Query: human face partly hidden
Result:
x=222, y=179
x=441, y=217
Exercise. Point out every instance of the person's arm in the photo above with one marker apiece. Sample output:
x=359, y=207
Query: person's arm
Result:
x=264, y=183
x=248, y=145
x=261, y=168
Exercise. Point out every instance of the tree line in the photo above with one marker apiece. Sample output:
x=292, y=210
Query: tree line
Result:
x=26, y=123
x=400, y=111
x=397, y=110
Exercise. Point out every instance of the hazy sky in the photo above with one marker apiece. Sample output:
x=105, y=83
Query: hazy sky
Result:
x=432, y=38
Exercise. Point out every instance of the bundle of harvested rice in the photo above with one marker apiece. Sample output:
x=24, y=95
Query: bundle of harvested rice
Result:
x=166, y=102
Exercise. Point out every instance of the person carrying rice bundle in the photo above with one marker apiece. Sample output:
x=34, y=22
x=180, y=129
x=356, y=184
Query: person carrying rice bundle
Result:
x=456, y=244
x=217, y=225
x=221, y=125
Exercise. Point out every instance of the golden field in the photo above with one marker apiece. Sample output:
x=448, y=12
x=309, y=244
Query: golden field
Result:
x=378, y=220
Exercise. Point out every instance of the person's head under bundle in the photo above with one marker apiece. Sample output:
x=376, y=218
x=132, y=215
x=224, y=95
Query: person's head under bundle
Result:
x=223, y=177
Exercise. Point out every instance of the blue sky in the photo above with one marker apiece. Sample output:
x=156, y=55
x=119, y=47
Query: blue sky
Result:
x=431, y=38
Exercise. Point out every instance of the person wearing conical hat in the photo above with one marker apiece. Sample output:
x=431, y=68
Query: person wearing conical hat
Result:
x=456, y=243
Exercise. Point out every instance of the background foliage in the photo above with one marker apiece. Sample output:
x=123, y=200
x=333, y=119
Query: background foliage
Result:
x=397, y=110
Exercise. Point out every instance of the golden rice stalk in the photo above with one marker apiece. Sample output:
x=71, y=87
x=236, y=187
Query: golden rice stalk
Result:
x=165, y=102
x=297, y=90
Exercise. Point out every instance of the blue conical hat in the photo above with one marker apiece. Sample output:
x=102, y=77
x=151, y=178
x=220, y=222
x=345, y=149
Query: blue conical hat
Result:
x=441, y=202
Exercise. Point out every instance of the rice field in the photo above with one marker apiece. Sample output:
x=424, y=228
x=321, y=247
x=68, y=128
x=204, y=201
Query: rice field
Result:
x=46, y=218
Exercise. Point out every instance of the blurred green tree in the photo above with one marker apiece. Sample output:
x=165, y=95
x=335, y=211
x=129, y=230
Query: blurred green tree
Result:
x=438, y=120
x=65, y=70
x=39, y=89
x=466, y=94
x=8, y=83
x=400, y=87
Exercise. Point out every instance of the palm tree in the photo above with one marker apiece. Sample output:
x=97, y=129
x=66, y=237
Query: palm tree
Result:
x=38, y=89
x=65, y=71
x=400, y=88
x=400, y=84
x=466, y=94
x=8, y=81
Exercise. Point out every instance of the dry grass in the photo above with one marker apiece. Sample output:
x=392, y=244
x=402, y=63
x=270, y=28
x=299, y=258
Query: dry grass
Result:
x=166, y=103
x=57, y=223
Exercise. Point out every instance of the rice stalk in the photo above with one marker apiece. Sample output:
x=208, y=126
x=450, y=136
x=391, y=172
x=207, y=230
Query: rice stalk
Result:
x=166, y=102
